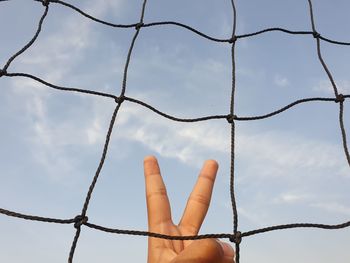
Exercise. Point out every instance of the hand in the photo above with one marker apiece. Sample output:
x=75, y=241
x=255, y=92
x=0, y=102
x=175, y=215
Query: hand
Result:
x=160, y=221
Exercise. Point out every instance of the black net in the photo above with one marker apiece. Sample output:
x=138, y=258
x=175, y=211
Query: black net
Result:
x=236, y=236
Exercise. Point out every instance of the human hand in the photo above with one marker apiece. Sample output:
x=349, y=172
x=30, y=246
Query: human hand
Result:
x=160, y=221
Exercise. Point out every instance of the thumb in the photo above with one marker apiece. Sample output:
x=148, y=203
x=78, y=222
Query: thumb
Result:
x=201, y=251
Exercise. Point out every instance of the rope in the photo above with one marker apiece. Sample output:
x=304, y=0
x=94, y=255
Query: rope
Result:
x=236, y=236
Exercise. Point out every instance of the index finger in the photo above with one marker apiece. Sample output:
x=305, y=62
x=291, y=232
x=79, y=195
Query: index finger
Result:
x=158, y=206
x=199, y=200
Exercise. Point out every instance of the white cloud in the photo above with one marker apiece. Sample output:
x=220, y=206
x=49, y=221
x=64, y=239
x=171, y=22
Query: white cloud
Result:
x=100, y=7
x=255, y=216
x=58, y=51
x=95, y=131
x=252, y=213
x=281, y=81
x=187, y=142
x=325, y=86
x=50, y=137
x=333, y=207
x=292, y=198
x=59, y=46
x=270, y=153
x=55, y=54
x=276, y=153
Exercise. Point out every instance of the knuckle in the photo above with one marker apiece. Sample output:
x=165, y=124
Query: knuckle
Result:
x=206, y=176
x=200, y=198
x=157, y=193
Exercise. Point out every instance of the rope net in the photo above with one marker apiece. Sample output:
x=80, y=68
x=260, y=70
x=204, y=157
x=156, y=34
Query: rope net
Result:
x=236, y=236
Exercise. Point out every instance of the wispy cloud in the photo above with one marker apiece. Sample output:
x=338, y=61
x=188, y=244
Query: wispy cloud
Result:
x=333, y=207
x=293, y=198
x=100, y=7
x=188, y=143
x=56, y=53
x=58, y=47
x=325, y=86
x=254, y=216
x=272, y=153
x=280, y=152
x=281, y=81
x=50, y=138
x=41, y=138
x=54, y=56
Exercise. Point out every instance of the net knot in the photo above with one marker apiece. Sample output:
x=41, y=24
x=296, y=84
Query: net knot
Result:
x=232, y=39
x=80, y=220
x=120, y=99
x=339, y=98
x=45, y=2
x=3, y=72
x=236, y=238
x=139, y=25
x=316, y=34
x=230, y=118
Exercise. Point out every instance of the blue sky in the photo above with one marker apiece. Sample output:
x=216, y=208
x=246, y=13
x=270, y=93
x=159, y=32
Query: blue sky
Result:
x=290, y=168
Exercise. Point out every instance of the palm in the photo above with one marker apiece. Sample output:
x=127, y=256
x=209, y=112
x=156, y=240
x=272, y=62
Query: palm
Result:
x=159, y=212
x=166, y=250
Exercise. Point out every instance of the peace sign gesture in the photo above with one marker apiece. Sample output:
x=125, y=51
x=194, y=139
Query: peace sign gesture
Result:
x=160, y=221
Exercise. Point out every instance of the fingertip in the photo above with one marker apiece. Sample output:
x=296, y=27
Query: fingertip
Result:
x=149, y=158
x=213, y=163
x=151, y=166
x=210, y=169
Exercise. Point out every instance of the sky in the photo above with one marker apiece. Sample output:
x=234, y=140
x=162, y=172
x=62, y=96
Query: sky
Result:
x=290, y=168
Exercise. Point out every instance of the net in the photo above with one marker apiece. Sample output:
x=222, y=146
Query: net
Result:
x=236, y=236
